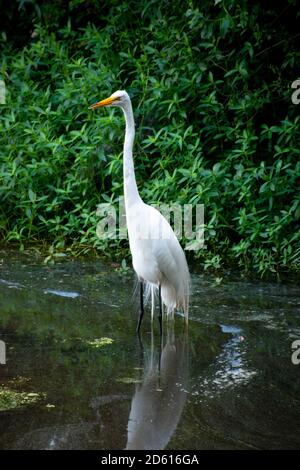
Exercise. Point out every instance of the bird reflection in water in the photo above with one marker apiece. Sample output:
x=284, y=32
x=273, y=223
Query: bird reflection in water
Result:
x=159, y=399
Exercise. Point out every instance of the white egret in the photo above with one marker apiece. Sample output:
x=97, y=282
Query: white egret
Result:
x=158, y=259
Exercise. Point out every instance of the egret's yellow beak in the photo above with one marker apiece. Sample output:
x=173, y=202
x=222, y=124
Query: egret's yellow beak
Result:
x=105, y=102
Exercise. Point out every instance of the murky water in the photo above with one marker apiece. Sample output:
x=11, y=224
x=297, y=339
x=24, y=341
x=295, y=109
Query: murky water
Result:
x=76, y=376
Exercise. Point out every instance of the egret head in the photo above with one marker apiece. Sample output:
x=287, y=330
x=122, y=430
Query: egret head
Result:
x=118, y=98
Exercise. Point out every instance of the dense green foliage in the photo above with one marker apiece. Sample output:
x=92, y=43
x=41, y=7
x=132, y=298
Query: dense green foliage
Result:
x=211, y=89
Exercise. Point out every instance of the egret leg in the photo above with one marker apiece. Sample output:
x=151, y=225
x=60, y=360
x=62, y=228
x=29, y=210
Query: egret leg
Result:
x=159, y=364
x=160, y=310
x=141, y=307
x=152, y=304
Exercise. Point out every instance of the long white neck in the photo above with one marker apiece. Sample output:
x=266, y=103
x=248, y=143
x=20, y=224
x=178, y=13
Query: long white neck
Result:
x=130, y=188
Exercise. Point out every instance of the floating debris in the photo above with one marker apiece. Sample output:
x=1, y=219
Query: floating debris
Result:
x=11, y=399
x=62, y=293
x=99, y=342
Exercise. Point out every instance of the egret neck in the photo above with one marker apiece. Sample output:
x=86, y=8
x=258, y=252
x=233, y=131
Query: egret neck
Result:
x=130, y=188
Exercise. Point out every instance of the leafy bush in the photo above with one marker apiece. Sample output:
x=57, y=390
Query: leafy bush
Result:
x=216, y=125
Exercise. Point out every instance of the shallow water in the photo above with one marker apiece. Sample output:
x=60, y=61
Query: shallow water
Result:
x=77, y=377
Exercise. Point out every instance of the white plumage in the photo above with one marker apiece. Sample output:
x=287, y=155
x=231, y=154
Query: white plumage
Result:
x=157, y=256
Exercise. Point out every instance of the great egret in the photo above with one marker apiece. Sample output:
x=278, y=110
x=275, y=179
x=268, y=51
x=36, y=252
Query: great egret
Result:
x=157, y=256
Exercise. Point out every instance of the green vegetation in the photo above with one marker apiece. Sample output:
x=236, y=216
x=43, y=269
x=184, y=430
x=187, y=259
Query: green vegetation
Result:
x=11, y=399
x=100, y=342
x=211, y=89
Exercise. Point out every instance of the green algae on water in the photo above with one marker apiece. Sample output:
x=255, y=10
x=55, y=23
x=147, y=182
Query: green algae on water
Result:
x=11, y=399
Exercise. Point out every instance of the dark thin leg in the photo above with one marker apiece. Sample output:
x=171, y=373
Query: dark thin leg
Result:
x=159, y=364
x=141, y=307
x=141, y=353
x=160, y=310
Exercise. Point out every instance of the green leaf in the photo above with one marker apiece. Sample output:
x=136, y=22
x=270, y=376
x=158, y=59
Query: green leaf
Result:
x=32, y=195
